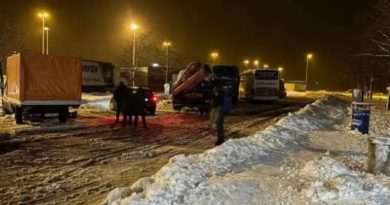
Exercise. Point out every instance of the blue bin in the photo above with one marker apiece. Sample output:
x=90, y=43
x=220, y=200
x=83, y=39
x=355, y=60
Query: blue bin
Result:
x=361, y=117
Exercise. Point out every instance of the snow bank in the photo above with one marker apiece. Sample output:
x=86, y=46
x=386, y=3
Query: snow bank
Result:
x=174, y=183
x=165, y=105
x=379, y=123
x=331, y=182
x=99, y=101
x=229, y=190
x=316, y=116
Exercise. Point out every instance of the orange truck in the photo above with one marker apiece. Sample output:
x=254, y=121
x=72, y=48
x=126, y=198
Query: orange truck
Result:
x=40, y=84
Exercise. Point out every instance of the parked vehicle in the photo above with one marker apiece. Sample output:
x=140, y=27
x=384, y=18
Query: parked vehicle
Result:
x=97, y=76
x=40, y=84
x=228, y=76
x=151, y=100
x=193, y=88
x=261, y=85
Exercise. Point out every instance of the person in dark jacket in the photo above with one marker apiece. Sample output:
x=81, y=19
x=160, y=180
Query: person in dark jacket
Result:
x=217, y=115
x=120, y=96
x=140, y=106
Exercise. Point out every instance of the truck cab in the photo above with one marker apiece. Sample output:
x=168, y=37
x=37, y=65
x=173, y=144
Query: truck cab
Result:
x=228, y=76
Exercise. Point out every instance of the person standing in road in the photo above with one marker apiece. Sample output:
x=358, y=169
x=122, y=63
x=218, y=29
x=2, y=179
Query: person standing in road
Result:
x=217, y=115
x=140, y=106
x=120, y=95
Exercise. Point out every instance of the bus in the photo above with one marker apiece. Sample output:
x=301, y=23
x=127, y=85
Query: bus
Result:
x=264, y=85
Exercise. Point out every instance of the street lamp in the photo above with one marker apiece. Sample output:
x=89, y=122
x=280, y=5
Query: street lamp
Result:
x=134, y=27
x=47, y=29
x=308, y=57
x=43, y=15
x=246, y=63
x=214, y=55
x=266, y=66
x=256, y=63
x=167, y=44
x=280, y=69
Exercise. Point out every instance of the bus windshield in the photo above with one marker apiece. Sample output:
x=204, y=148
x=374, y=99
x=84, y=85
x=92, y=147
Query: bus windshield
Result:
x=267, y=75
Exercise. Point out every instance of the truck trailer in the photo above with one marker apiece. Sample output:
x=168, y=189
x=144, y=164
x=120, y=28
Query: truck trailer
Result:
x=97, y=76
x=39, y=84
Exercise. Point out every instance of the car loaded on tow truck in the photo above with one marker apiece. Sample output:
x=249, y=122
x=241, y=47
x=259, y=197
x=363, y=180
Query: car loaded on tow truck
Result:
x=193, y=88
x=195, y=84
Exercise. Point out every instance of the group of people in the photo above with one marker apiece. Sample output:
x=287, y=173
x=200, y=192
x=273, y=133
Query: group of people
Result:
x=130, y=103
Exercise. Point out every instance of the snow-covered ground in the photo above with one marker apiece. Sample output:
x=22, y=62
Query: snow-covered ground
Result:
x=308, y=157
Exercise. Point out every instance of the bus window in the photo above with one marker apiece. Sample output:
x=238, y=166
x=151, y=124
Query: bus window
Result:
x=266, y=75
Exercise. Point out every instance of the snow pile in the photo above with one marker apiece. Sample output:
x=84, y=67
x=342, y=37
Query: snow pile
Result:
x=228, y=190
x=184, y=174
x=331, y=182
x=380, y=121
x=316, y=116
x=100, y=101
x=165, y=105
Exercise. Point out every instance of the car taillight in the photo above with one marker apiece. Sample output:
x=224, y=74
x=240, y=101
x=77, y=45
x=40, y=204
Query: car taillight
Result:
x=154, y=98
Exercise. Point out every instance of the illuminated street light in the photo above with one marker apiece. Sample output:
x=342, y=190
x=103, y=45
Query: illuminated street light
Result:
x=47, y=29
x=246, y=63
x=134, y=27
x=266, y=66
x=308, y=57
x=214, y=55
x=280, y=69
x=43, y=15
x=256, y=63
x=167, y=44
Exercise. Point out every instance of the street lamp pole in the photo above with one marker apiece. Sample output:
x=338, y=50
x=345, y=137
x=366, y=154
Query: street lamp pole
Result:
x=308, y=57
x=214, y=56
x=280, y=69
x=43, y=15
x=256, y=64
x=167, y=45
x=47, y=40
x=246, y=63
x=134, y=27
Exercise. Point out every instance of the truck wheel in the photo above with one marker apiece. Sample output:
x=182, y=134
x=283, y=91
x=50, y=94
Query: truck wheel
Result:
x=63, y=115
x=19, y=115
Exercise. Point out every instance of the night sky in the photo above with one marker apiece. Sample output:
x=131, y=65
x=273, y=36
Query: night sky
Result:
x=279, y=32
